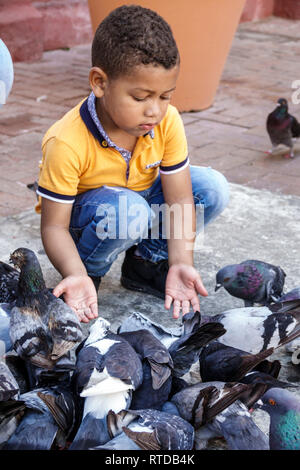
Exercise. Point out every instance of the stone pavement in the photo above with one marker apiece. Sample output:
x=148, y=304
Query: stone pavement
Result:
x=262, y=219
x=230, y=136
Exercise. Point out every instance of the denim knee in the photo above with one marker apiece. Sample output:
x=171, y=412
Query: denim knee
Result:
x=211, y=189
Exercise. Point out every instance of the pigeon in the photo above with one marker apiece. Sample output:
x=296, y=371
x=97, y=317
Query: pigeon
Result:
x=9, y=387
x=253, y=281
x=284, y=409
x=237, y=426
x=255, y=329
x=282, y=127
x=11, y=413
x=157, y=370
x=107, y=371
x=37, y=429
x=5, y=341
x=262, y=378
x=227, y=364
x=148, y=430
x=215, y=410
x=42, y=327
x=9, y=278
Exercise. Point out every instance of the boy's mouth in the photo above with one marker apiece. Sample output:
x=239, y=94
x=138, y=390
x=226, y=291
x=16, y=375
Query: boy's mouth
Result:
x=147, y=127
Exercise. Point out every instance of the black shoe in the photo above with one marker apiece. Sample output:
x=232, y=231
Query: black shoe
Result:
x=96, y=280
x=144, y=276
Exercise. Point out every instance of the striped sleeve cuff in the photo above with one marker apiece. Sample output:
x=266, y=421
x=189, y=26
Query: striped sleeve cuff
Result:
x=55, y=196
x=169, y=170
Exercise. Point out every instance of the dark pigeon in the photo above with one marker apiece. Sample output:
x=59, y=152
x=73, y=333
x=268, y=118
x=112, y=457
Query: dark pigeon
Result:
x=42, y=327
x=9, y=278
x=282, y=127
x=150, y=430
x=253, y=281
x=157, y=370
x=283, y=407
x=225, y=363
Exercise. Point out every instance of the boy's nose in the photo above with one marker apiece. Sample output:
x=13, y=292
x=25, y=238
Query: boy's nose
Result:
x=152, y=110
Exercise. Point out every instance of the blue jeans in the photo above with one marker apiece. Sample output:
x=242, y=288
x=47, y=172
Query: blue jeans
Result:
x=108, y=220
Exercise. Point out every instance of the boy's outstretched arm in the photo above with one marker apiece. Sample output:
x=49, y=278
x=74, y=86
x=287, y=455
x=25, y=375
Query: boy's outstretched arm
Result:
x=76, y=286
x=183, y=283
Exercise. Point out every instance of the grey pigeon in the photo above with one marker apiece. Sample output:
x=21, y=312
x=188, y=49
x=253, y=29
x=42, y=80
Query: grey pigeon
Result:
x=37, y=429
x=215, y=410
x=107, y=371
x=42, y=327
x=282, y=127
x=255, y=329
x=238, y=428
x=283, y=407
x=151, y=430
x=253, y=281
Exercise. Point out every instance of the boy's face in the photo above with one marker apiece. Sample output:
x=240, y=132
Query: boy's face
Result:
x=137, y=102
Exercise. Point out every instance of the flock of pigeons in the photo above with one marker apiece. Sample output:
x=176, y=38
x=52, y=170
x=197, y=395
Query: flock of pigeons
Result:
x=61, y=389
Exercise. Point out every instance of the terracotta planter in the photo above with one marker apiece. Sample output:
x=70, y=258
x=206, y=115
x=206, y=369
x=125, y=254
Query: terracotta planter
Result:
x=203, y=29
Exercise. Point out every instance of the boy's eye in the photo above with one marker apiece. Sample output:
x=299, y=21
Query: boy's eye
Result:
x=165, y=97
x=136, y=98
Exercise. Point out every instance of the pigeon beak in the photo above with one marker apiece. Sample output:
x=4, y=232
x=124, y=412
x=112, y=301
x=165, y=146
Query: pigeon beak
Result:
x=218, y=286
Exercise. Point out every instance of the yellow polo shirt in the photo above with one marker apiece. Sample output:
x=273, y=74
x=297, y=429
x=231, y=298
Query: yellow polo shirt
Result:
x=77, y=158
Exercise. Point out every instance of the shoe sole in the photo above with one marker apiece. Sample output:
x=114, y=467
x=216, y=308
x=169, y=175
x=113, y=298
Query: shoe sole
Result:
x=132, y=285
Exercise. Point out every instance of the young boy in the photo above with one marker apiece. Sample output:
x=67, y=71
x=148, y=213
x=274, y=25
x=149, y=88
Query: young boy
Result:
x=122, y=152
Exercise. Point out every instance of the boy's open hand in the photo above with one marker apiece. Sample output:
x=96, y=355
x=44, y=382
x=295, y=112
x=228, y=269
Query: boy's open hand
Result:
x=80, y=294
x=183, y=284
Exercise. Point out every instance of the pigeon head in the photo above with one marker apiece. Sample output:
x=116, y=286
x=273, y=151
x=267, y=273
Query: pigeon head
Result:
x=278, y=400
x=98, y=330
x=20, y=257
x=226, y=276
x=282, y=102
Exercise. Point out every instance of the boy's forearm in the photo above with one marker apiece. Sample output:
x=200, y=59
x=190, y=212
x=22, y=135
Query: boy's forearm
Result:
x=182, y=234
x=62, y=252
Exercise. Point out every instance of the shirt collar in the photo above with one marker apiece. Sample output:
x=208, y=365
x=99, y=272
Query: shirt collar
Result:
x=90, y=117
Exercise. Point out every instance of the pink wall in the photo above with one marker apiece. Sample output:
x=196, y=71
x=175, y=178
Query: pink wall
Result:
x=29, y=27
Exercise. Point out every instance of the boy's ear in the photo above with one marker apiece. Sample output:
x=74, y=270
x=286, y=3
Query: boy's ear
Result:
x=98, y=80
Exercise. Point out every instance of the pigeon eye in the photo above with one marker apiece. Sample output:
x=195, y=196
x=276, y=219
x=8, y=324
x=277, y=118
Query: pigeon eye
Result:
x=226, y=279
x=272, y=401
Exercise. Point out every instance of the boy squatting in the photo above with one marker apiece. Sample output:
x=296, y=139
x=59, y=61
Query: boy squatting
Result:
x=125, y=140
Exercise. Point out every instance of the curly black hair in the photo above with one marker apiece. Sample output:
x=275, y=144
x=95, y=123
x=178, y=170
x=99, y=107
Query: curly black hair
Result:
x=132, y=35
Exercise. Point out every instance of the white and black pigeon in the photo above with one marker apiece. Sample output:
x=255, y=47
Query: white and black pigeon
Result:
x=282, y=127
x=283, y=407
x=255, y=329
x=215, y=409
x=42, y=327
x=150, y=430
x=107, y=371
x=253, y=281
